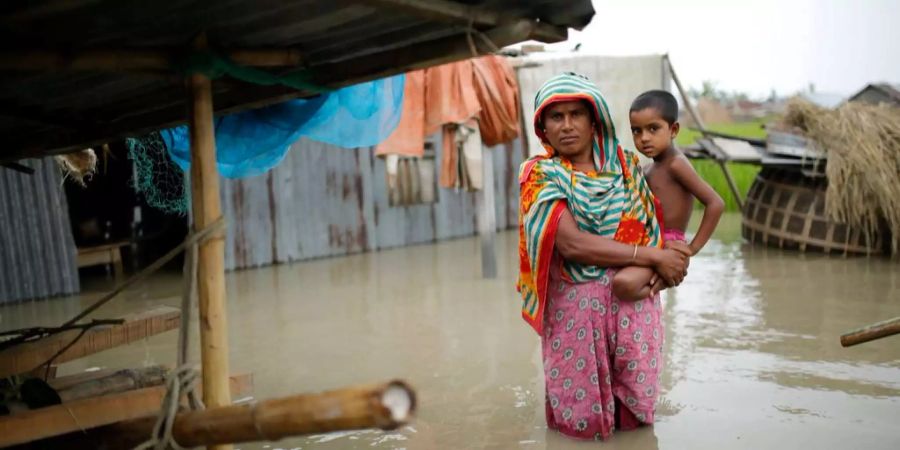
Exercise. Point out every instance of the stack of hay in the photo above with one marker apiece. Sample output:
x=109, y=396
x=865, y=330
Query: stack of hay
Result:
x=862, y=143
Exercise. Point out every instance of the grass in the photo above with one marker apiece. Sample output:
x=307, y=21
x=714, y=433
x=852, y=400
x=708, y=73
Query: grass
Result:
x=752, y=129
x=743, y=173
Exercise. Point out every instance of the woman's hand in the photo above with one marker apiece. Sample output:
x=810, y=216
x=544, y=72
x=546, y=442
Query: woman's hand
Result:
x=671, y=265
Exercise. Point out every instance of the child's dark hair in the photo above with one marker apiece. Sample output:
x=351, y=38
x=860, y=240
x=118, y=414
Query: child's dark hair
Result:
x=659, y=100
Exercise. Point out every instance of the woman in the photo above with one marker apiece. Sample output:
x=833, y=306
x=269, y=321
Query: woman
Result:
x=585, y=210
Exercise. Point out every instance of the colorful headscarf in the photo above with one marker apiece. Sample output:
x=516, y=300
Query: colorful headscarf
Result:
x=614, y=201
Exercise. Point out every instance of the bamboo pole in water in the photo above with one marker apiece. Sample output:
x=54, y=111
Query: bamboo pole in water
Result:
x=386, y=406
x=210, y=253
x=871, y=332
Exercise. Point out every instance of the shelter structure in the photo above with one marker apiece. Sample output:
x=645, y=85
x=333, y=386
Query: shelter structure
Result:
x=81, y=74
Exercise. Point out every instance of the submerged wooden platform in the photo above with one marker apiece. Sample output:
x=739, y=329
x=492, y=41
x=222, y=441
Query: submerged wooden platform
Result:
x=88, y=413
x=28, y=356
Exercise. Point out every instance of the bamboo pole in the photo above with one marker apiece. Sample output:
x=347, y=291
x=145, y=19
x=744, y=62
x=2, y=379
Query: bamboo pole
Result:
x=210, y=253
x=871, y=332
x=386, y=406
x=120, y=381
x=702, y=127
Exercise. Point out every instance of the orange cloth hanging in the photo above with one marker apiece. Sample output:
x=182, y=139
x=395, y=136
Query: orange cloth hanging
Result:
x=438, y=98
x=408, y=138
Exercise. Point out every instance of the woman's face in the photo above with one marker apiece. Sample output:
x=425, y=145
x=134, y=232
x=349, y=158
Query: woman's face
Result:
x=569, y=128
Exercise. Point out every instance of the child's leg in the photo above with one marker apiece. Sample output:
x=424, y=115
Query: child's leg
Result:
x=632, y=283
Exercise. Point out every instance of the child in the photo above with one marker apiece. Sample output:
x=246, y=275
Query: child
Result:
x=674, y=183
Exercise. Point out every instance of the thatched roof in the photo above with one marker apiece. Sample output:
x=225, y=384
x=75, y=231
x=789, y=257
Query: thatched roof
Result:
x=862, y=145
x=51, y=101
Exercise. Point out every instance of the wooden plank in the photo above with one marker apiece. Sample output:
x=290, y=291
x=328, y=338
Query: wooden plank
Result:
x=90, y=413
x=25, y=357
x=101, y=248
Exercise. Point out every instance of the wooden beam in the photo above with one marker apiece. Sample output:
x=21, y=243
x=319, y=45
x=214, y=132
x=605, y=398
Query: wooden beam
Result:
x=462, y=14
x=124, y=60
x=89, y=413
x=25, y=357
x=206, y=207
x=77, y=415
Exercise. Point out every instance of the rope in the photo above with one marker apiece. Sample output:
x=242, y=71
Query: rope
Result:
x=181, y=381
x=184, y=379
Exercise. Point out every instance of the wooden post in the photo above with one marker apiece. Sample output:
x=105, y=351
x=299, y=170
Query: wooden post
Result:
x=731, y=184
x=206, y=209
x=487, y=216
x=702, y=127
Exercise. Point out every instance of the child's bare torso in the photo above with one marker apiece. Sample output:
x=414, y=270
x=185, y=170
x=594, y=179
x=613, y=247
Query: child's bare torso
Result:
x=677, y=203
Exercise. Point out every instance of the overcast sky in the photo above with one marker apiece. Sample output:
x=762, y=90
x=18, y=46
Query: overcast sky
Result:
x=755, y=46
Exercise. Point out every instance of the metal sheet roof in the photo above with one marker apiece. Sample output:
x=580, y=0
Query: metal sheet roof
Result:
x=56, y=107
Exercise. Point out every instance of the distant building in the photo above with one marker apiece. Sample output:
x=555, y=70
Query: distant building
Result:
x=876, y=93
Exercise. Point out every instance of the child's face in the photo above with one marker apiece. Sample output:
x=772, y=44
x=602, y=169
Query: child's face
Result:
x=651, y=133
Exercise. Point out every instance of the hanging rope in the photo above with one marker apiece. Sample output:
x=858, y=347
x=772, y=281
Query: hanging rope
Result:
x=181, y=381
x=184, y=379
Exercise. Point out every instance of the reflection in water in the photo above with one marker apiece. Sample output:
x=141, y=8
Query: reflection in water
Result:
x=753, y=358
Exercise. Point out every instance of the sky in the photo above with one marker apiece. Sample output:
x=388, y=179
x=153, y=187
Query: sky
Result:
x=754, y=46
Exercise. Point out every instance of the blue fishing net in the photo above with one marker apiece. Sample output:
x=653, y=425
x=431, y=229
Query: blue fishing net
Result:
x=250, y=143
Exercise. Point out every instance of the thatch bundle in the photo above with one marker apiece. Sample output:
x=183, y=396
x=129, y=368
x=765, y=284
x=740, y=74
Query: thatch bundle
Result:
x=78, y=165
x=862, y=144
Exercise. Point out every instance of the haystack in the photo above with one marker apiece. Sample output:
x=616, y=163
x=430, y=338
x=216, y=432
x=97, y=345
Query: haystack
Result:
x=862, y=144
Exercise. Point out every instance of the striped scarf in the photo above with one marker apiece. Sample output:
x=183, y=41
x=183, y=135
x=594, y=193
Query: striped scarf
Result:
x=614, y=201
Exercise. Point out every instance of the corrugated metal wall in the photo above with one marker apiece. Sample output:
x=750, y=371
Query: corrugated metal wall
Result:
x=37, y=252
x=324, y=200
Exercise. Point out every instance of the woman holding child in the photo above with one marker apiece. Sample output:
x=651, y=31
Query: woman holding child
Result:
x=586, y=211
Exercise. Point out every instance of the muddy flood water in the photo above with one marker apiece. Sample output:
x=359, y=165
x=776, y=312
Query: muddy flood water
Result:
x=753, y=358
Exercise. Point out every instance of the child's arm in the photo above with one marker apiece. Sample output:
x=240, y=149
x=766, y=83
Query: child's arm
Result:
x=713, y=205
